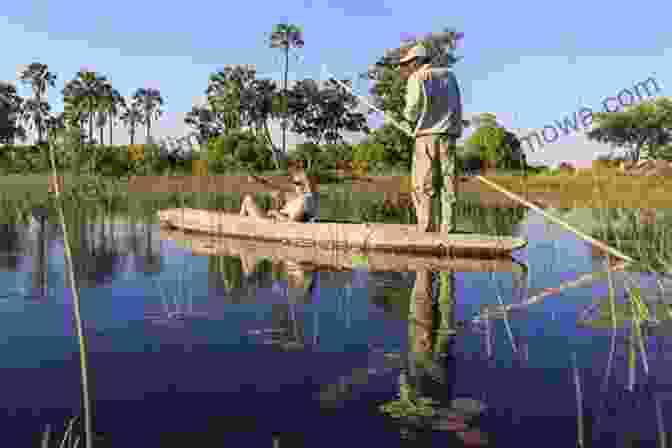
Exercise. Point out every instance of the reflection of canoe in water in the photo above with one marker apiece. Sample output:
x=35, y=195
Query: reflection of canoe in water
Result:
x=330, y=259
x=369, y=237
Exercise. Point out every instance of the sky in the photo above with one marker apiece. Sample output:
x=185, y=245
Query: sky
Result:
x=528, y=65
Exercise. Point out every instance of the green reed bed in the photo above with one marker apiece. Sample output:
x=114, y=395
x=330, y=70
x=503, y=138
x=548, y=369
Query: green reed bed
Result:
x=644, y=245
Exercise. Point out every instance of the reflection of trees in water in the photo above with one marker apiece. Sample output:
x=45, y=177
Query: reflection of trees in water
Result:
x=151, y=261
x=40, y=264
x=98, y=250
x=11, y=246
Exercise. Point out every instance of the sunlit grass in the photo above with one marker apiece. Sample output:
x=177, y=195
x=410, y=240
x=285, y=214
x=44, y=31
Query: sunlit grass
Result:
x=620, y=190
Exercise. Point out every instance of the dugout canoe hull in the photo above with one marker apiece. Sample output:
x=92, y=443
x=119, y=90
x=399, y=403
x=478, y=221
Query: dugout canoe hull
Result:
x=252, y=251
x=397, y=238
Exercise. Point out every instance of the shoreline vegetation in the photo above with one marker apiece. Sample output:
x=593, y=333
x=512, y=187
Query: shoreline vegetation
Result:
x=586, y=189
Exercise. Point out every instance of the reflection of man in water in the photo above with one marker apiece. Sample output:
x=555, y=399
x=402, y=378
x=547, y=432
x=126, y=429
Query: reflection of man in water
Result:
x=300, y=285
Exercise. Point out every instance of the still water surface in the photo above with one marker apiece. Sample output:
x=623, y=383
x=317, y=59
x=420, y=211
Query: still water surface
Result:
x=183, y=355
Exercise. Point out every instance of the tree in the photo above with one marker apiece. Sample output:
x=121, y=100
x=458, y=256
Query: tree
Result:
x=239, y=100
x=323, y=113
x=10, y=110
x=387, y=144
x=643, y=130
x=151, y=102
x=203, y=120
x=83, y=95
x=286, y=36
x=131, y=117
x=495, y=144
x=224, y=93
x=259, y=103
x=36, y=109
x=112, y=103
x=101, y=120
x=55, y=124
x=74, y=134
x=56, y=127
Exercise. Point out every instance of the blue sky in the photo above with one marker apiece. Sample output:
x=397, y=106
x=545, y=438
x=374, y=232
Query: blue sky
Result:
x=529, y=65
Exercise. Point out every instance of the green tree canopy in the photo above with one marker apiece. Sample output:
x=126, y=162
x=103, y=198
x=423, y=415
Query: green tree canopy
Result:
x=494, y=143
x=322, y=113
x=10, y=110
x=643, y=130
x=387, y=144
x=150, y=102
x=36, y=109
x=202, y=120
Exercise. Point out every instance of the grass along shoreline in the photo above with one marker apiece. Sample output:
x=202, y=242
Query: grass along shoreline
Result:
x=559, y=190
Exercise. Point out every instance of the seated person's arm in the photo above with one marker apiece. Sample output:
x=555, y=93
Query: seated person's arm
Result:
x=293, y=211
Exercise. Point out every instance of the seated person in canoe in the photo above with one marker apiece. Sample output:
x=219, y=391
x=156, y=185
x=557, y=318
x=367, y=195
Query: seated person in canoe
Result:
x=302, y=208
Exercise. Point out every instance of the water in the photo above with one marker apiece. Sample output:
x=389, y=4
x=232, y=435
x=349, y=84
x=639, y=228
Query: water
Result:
x=181, y=354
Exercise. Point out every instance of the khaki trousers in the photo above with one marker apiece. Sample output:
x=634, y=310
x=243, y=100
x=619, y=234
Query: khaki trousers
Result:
x=432, y=158
x=422, y=313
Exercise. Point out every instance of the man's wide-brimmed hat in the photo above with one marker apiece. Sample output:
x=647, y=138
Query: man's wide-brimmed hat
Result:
x=415, y=52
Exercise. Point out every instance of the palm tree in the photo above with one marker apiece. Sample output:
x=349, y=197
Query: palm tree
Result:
x=113, y=103
x=83, y=94
x=203, y=120
x=151, y=101
x=286, y=36
x=224, y=96
x=54, y=124
x=11, y=105
x=131, y=117
x=39, y=77
x=73, y=119
x=101, y=121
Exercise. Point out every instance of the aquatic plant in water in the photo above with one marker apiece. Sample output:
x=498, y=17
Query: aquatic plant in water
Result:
x=409, y=405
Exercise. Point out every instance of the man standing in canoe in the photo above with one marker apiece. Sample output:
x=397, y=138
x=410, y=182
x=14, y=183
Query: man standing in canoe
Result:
x=433, y=103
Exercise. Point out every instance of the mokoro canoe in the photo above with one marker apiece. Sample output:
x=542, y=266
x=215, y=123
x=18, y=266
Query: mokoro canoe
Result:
x=366, y=236
x=252, y=251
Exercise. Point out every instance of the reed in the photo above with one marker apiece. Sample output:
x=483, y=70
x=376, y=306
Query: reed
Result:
x=81, y=339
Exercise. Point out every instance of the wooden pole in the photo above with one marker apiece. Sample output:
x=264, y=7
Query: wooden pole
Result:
x=558, y=221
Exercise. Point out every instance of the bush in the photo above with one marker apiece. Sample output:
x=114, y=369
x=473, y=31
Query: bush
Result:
x=15, y=159
x=310, y=154
x=335, y=152
x=240, y=150
x=373, y=152
x=114, y=161
x=386, y=145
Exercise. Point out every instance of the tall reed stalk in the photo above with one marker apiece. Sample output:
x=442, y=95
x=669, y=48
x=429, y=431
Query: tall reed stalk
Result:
x=88, y=433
